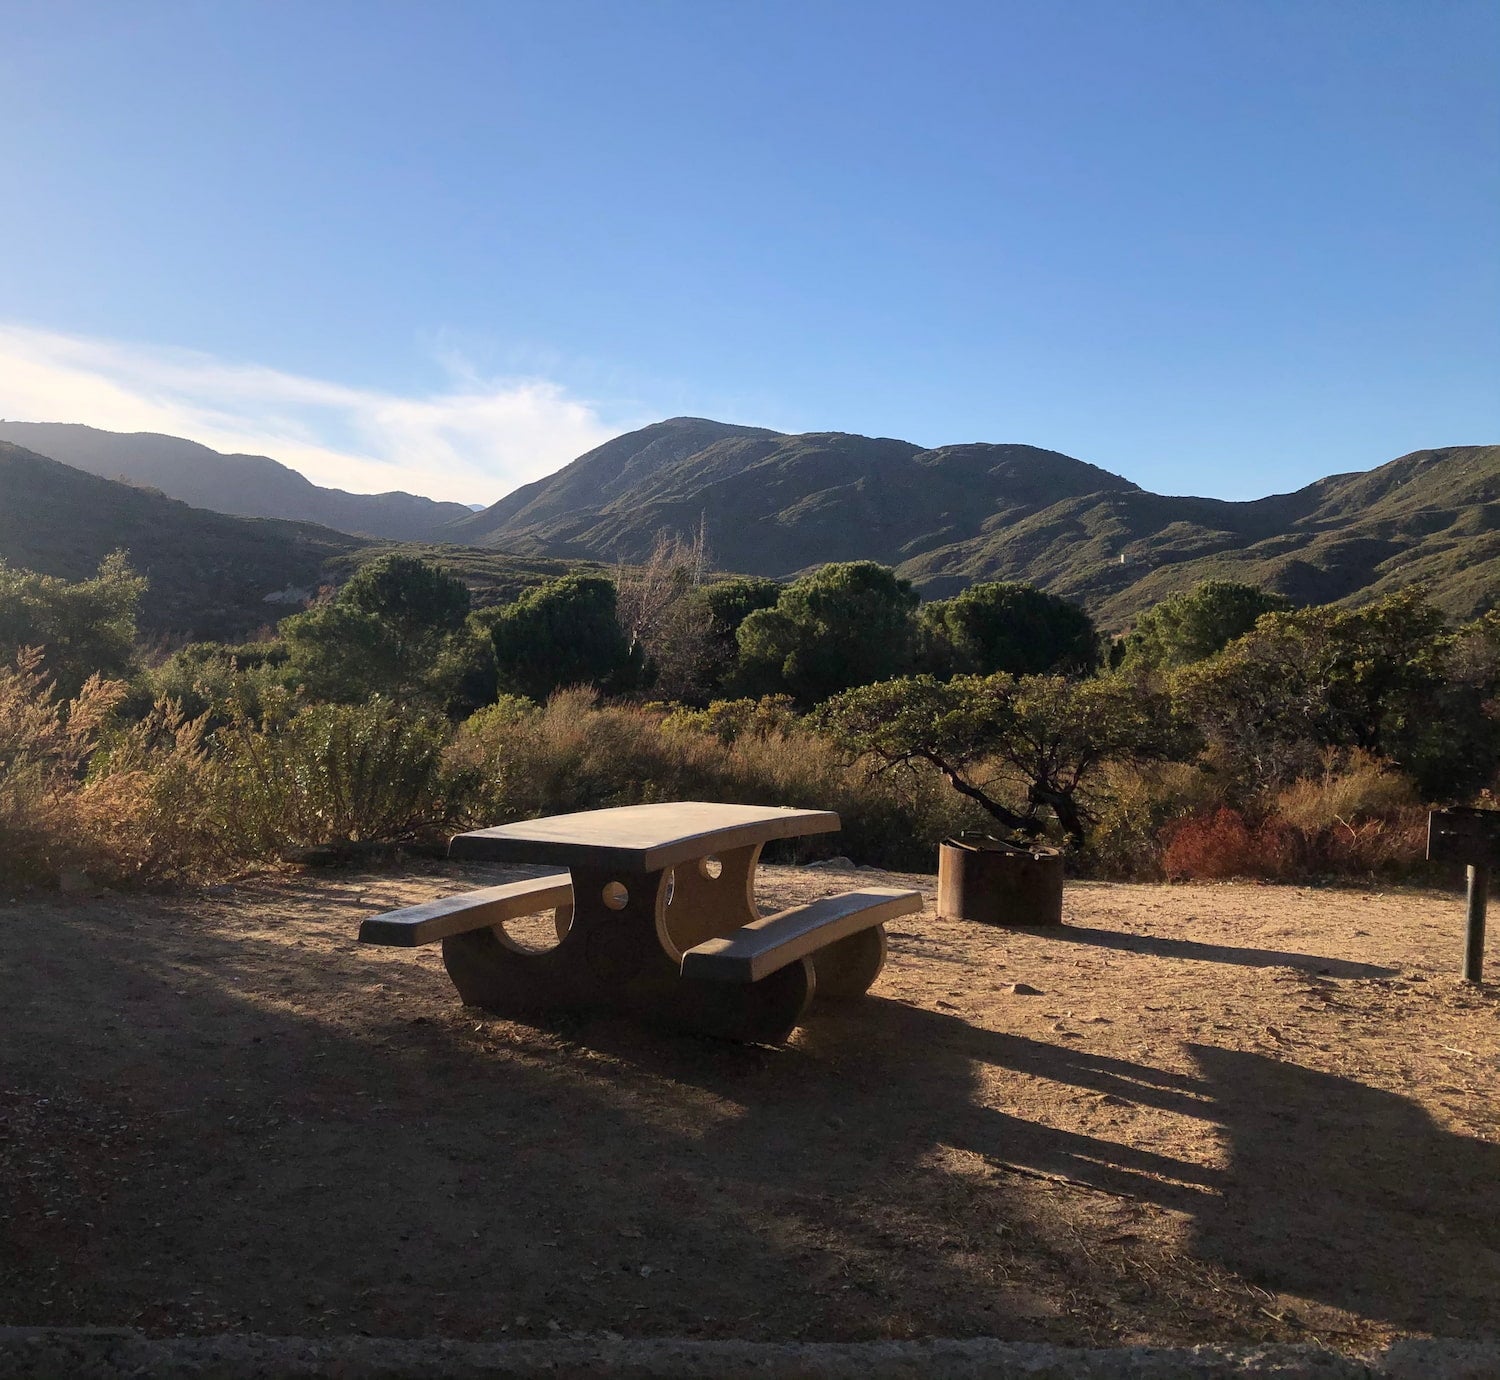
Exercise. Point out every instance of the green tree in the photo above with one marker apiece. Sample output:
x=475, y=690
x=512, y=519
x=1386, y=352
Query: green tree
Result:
x=82, y=627
x=732, y=601
x=341, y=654
x=1007, y=627
x=845, y=624
x=213, y=679
x=1014, y=746
x=562, y=633
x=1388, y=677
x=1193, y=625
x=728, y=603
x=417, y=600
x=397, y=628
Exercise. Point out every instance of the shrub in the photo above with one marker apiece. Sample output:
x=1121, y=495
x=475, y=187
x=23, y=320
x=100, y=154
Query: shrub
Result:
x=46, y=823
x=161, y=782
x=575, y=754
x=211, y=679
x=730, y=720
x=1135, y=808
x=1394, y=846
x=332, y=774
x=1355, y=786
x=1358, y=818
x=83, y=628
x=1223, y=845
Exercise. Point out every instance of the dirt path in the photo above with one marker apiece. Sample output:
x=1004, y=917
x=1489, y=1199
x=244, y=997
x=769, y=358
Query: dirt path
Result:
x=1230, y=1113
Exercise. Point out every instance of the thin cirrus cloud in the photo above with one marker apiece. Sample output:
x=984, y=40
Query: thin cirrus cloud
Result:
x=472, y=444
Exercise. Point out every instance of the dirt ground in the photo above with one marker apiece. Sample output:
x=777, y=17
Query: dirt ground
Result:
x=1227, y=1113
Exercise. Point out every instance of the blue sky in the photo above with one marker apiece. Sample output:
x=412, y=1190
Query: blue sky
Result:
x=1218, y=247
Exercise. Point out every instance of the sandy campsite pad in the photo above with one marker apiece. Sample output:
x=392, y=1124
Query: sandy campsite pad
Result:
x=1226, y=1113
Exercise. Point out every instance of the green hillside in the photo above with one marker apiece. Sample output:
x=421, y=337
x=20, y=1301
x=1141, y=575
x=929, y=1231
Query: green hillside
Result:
x=210, y=574
x=774, y=505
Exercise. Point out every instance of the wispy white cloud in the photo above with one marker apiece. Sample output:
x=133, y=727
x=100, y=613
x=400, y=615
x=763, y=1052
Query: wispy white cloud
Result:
x=473, y=442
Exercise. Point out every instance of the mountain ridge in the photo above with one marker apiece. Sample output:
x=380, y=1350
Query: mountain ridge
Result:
x=236, y=484
x=213, y=575
x=777, y=504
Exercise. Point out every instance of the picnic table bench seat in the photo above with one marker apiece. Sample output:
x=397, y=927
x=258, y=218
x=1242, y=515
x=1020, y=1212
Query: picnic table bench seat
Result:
x=470, y=910
x=758, y=949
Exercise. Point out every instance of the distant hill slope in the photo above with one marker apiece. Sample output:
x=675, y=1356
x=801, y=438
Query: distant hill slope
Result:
x=210, y=573
x=607, y=472
x=1431, y=517
x=244, y=485
x=775, y=504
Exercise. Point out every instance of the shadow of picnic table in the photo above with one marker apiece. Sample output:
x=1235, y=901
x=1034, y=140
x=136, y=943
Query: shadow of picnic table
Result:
x=404, y=1165
x=1327, y=1189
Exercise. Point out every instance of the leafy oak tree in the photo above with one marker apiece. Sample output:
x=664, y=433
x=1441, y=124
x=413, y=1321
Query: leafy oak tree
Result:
x=1388, y=677
x=1007, y=627
x=82, y=627
x=728, y=603
x=845, y=624
x=417, y=600
x=1000, y=739
x=397, y=628
x=562, y=633
x=1194, y=624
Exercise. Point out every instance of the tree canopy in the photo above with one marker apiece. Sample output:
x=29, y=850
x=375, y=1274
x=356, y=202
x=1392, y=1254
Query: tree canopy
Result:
x=1387, y=677
x=1192, y=625
x=562, y=633
x=1007, y=627
x=1015, y=746
x=414, y=598
x=845, y=624
x=397, y=628
x=82, y=628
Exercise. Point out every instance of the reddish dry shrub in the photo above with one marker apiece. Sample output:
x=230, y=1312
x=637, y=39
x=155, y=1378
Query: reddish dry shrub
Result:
x=1393, y=845
x=1212, y=846
x=1225, y=844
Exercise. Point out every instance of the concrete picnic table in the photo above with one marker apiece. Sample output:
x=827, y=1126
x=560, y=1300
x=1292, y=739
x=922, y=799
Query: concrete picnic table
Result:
x=656, y=917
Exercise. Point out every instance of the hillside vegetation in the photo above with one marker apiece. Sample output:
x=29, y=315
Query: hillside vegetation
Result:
x=212, y=575
x=770, y=505
x=1230, y=734
x=209, y=573
x=775, y=505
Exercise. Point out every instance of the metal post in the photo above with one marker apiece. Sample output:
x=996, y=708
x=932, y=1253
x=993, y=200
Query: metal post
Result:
x=1479, y=892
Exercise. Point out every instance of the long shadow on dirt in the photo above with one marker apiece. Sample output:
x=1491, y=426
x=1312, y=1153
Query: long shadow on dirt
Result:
x=195, y=1139
x=1351, y=1195
x=188, y=1145
x=1218, y=953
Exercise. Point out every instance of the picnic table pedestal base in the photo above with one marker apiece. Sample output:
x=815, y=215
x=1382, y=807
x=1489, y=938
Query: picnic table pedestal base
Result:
x=621, y=949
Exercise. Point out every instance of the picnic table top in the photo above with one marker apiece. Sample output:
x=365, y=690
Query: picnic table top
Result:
x=639, y=838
